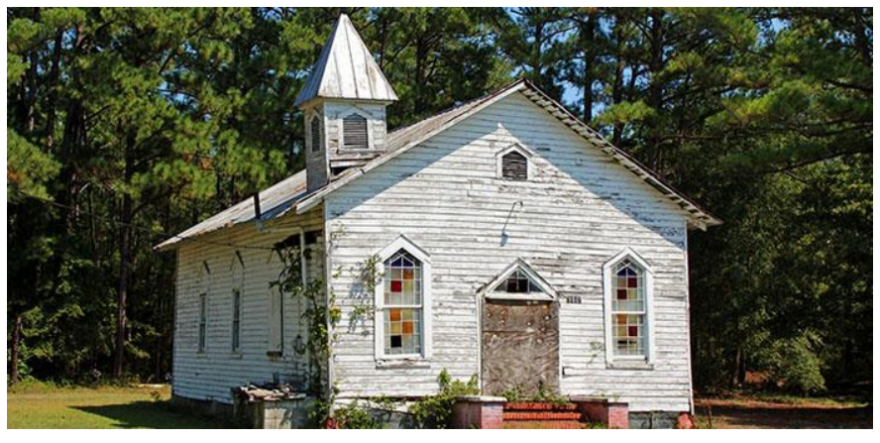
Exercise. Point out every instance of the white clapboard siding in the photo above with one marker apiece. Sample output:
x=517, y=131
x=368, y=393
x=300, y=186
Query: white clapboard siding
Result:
x=578, y=209
x=211, y=375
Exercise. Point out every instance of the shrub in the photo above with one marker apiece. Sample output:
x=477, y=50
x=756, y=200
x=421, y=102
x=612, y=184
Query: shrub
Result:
x=435, y=411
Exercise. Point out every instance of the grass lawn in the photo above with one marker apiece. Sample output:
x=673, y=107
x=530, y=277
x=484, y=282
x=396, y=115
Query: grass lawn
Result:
x=40, y=406
x=782, y=413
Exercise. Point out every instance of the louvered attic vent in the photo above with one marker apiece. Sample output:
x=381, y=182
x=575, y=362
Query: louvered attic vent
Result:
x=354, y=132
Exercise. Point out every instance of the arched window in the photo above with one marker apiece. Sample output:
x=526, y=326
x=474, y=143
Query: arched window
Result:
x=403, y=302
x=316, y=134
x=354, y=132
x=628, y=303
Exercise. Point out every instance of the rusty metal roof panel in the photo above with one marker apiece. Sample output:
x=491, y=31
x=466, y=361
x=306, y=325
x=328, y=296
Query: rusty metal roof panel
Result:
x=275, y=201
x=346, y=70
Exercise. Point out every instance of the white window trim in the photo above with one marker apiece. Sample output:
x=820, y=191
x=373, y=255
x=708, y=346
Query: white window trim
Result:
x=520, y=148
x=607, y=286
x=488, y=291
x=366, y=115
x=237, y=273
x=403, y=243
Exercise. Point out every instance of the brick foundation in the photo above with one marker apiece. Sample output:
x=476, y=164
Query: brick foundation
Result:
x=478, y=412
x=612, y=414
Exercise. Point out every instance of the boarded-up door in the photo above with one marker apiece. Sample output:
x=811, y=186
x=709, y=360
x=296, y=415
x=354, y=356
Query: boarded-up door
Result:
x=520, y=346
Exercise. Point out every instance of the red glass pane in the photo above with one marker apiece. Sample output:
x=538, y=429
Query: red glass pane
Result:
x=633, y=331
x=396, y=286
x=633, y=282
x=621, y=294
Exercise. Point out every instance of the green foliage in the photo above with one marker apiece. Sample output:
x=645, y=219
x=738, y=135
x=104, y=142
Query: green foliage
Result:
x=435, y=411
x=518, y=394
x=353, y=416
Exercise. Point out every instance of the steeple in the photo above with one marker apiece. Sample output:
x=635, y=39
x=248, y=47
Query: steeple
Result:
x=344, y=102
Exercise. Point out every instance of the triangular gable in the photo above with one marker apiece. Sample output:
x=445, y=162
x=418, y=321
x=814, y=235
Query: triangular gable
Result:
x=518, y=281
x=411, y=136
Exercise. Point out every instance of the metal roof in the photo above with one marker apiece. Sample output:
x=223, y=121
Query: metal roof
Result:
x=346, y=69
x=291, y=193
x=274, y=202
x=404, y=139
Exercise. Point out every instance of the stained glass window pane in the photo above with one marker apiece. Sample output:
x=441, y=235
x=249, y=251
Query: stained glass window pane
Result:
x=403, y=332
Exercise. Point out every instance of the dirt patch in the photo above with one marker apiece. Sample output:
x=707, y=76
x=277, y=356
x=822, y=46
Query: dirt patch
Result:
x=744, y=413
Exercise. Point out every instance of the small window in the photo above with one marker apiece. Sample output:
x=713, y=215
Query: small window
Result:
x=316, y=134
x=515, y=166
x=354, y=132
x=203, y=322
x=276, y=321
x=236, y=320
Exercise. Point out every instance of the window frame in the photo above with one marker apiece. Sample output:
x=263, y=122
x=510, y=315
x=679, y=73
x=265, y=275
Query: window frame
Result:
x=547, y=291
x=403, y=244
x=522, y=150
x=608, y=275
x=202, y=309
x=237, y=273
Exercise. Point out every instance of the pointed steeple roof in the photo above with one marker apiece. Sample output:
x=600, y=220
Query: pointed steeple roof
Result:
x=346, y=69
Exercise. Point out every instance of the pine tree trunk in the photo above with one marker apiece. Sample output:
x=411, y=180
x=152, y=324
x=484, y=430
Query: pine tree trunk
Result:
x=16, y=341
x=125, y=253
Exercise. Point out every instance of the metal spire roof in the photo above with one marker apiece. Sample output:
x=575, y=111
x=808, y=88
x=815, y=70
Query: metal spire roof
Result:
x=346, y=69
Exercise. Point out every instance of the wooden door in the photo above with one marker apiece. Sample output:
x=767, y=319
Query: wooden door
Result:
x=520, y=346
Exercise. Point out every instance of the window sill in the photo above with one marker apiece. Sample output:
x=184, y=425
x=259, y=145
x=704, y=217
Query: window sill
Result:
x=275, y=355
x=236, y=355
x=403, y=363
x=641, y=365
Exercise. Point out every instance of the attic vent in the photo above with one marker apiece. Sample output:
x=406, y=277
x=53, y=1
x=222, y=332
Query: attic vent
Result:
x=354, y=132
x=316, y=134
x=514, y=166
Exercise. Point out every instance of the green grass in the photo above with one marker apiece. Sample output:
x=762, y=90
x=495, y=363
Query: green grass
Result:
x=42, y=406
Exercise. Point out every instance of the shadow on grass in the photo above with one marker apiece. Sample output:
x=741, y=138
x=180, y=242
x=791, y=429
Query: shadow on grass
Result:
x=150, y=415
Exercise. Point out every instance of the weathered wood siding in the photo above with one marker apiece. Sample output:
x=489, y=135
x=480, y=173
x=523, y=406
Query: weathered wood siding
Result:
x=577, y=210
x=209, y=376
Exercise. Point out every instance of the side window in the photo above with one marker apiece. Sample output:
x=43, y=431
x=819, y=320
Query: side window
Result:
x=354, y=132
x=236, y=320
x=316, y=134
x=203, y=322
x=515, y=166
x=237, y=301
x=276, y=321
x=204, y=290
